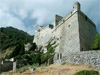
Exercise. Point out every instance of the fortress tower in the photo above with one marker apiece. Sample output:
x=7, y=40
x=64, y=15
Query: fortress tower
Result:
x=75, y=32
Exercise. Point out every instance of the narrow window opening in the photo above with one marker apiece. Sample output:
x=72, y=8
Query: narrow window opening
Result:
x=60, y=55
x=82, y=49
x=57, y=56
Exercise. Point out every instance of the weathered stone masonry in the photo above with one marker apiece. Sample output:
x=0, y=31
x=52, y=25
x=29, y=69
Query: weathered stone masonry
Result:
x=74, y=35
x=85, y=57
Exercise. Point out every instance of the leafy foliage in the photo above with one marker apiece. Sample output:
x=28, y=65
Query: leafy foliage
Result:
x=30, y=58
x=10, y=37
x=45, y=57
x=17, y=52
x=96, y=42
x=33, y=47
x=50, y=53
x=87, y=72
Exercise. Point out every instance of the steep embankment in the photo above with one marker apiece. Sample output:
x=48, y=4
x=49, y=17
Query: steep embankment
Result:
x=10, y=37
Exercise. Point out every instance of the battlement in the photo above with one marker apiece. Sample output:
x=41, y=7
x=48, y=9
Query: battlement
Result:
x=40, y=28
x=57, y=19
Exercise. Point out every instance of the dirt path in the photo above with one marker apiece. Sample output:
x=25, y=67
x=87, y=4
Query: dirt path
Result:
x=67, y=69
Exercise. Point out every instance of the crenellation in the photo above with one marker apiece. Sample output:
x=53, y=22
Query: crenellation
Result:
x=57, y=19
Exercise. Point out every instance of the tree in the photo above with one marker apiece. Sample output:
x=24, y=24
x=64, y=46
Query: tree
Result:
x=33, y=47
x=96, y=43
x=19, y=50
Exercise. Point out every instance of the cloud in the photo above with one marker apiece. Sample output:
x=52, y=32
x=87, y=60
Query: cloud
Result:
x=7, y=19
x=25, y=14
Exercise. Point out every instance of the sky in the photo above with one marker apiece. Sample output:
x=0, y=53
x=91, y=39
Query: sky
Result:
x=26, y=14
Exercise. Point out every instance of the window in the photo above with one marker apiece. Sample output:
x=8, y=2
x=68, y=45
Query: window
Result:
x=82, y=49
x=60, y=55
x=57, y=56
x=86, y=18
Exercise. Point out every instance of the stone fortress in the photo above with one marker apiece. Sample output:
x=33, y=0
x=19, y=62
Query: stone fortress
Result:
x=73, y=34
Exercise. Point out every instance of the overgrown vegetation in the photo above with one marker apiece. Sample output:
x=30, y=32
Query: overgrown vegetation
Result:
x=10, y=37
x=96, y=43
x=33, y=47
x=18, y=51
x=87, y=72
x=33, y=57
x=50, y=53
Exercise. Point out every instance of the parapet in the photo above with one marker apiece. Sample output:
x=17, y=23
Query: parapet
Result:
x=48, y=26
x=38, y=28
x=57, y=19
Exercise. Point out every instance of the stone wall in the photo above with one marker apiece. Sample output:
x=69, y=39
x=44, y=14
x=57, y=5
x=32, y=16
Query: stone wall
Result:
x=9, y=65
x=43, y=36
x=6, y=66
x=87, y=31
x=85, y=57
x=70, y=37
x=68, y=29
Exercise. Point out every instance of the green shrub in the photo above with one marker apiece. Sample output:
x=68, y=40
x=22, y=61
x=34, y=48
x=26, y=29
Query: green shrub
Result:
x=87, y=72
x=50, y=53
x=63, y=63
x=45, y=57
x=96, y=43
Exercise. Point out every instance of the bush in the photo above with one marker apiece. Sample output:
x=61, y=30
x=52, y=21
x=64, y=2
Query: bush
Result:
x=19, y=50
x=63, y=63
x=33, y=47
x=17, y=57
x=96, y=43
x=87, y=72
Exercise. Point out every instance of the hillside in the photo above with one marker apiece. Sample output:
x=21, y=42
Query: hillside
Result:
x=10, y=37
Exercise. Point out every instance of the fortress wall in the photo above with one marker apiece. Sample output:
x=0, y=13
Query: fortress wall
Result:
x=70, y=38
x=36, y=37
x=6, y=66
x=87, y=30
x=69, y=31
x=86, y=57
x=43, y=36
x=57, y=34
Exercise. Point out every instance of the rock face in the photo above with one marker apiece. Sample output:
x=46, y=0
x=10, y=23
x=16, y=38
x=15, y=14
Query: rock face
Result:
x=73, y=33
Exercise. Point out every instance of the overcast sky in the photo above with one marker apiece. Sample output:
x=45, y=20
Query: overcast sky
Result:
x=26, y=14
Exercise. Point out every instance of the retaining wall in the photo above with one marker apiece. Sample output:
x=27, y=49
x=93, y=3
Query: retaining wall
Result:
x=85, y=57
x=6, y=67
